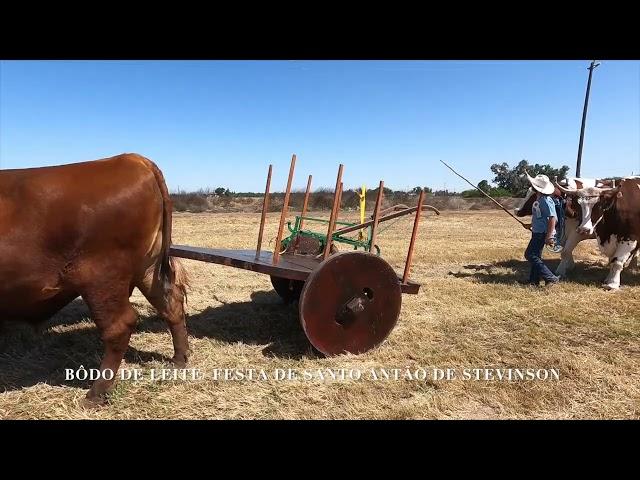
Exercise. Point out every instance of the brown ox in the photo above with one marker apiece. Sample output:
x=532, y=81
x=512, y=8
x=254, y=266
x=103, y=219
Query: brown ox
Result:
x=613, y=214
x=96, y=230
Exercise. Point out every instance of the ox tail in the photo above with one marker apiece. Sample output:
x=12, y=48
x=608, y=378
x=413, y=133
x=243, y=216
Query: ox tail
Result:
x=171, y=272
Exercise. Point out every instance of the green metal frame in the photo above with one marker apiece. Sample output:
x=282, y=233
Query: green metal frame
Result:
x=321, y=237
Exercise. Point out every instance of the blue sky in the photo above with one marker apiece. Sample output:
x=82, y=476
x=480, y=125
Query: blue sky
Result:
x=220, y=123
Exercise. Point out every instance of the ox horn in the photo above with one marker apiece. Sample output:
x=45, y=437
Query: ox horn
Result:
x=610, y=191
x=568, y=191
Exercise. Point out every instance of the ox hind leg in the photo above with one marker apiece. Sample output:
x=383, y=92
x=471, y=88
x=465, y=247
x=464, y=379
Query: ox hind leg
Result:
x=116, y=319
x=169, y=302
x=632, y=263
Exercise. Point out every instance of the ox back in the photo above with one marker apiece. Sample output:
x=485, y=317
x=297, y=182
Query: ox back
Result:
x=93, y=229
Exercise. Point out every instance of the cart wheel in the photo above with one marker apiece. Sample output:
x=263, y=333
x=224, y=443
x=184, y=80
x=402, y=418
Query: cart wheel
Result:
x=350, y=303
x=289, y=290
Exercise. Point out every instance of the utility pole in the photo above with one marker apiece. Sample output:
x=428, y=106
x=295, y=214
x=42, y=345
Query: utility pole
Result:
x=584, y=116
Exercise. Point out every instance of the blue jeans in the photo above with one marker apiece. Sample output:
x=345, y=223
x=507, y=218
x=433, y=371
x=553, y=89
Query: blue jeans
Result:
x=533, y=254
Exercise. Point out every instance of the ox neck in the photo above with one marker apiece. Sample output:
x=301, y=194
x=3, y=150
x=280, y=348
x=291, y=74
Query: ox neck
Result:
x=604, y=211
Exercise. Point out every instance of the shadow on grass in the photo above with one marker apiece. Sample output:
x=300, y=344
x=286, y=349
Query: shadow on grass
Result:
x=265, y=320
x=29, y=357
x=510, y=272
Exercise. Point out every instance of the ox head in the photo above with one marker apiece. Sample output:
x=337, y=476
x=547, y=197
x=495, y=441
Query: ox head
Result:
x=526, y=204
x=572, y=208
x=590, y=202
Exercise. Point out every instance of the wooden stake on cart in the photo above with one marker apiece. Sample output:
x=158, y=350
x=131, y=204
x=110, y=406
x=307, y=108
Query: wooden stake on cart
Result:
x=376, y=215
x=265, y=207
x=334, y=214
x=416, y=222
x=303, y=213
x=335, y=220
x=306, y=202
x=283, y=215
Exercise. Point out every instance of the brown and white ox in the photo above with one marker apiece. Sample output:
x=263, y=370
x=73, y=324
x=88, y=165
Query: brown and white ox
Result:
x=571, y=236
x=96, y=230
x=613, y=216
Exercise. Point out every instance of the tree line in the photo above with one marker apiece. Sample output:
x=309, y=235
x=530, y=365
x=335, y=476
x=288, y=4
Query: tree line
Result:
x=512, y=181
x=507, y=182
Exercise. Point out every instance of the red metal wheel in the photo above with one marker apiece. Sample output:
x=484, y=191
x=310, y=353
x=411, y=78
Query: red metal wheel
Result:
x=350, y=303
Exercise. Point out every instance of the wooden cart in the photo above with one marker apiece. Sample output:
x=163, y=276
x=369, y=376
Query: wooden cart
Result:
x=348, y=301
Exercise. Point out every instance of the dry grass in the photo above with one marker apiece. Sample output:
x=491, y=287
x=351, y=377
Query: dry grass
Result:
x=469, y=314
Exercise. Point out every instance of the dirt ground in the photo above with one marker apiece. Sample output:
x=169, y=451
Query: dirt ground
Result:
x=470, y=314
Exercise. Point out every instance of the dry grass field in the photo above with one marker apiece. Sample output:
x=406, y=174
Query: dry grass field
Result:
x=470, y=313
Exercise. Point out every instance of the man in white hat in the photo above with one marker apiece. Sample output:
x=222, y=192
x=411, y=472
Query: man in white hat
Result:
x=543, y=224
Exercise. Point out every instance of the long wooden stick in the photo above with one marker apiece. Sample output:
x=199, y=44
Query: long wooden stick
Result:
x=283, y=215
x=265, y=206
x=488, y=196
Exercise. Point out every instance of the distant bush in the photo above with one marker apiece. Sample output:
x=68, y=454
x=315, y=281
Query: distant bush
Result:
x=445, y=193
x=322, y=199
x=222, y=199
x=189, y=202
x=494, y=192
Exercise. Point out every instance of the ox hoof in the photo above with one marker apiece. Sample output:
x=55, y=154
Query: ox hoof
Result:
x=180, y=361
x=92, y=402
x=610, y=287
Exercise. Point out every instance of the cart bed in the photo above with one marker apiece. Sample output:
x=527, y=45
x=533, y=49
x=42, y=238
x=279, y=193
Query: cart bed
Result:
x=294, y=267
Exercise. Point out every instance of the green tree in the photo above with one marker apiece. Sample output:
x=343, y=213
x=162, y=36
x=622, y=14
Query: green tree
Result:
x=387, y=192
x=485, y=187
x=514, y=179
x=220, y=191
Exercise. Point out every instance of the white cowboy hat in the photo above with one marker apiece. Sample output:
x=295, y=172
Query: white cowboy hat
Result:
x=541, y=183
